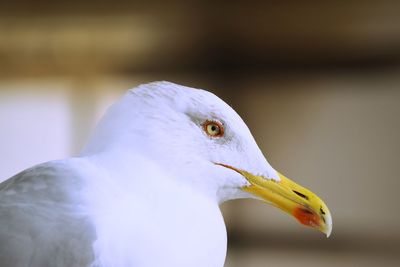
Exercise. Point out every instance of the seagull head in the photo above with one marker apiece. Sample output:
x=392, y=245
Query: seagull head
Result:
x=203, y=143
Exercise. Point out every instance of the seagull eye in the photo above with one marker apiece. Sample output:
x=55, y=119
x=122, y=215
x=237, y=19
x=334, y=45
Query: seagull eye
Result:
x=213, y=128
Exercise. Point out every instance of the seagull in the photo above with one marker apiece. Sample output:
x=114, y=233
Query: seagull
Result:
x=146, y=189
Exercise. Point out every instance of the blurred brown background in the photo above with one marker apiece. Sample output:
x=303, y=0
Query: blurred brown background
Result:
x=316, y=81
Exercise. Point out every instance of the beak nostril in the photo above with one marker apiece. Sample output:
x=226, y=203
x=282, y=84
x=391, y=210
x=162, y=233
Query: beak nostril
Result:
x=300, y=194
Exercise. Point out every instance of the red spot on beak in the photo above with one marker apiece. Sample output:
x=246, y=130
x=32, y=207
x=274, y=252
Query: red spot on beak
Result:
x=306, y=217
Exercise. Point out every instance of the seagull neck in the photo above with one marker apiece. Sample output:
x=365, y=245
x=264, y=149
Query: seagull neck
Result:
x=135, y=171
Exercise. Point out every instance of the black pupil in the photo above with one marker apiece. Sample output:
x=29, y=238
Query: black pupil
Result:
x=213, y=128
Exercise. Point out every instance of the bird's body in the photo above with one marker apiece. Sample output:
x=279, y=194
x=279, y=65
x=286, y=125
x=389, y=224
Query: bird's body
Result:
x=140, y=224
x=144, y=192
x=84, y=217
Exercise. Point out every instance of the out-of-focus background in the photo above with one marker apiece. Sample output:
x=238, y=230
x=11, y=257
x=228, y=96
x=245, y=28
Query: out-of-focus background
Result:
x=318, y=83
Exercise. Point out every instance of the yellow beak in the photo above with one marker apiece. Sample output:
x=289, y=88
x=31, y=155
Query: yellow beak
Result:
x=292, y=198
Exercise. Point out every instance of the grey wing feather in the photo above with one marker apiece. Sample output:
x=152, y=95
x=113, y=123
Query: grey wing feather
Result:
x=41, y=219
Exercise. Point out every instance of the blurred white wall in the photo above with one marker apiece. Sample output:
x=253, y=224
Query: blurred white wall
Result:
x=35, y=123
x=51, y=118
